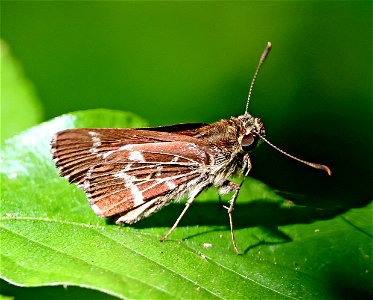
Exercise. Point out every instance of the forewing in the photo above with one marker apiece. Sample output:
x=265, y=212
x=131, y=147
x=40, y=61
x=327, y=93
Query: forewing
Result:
x=121, y=169
x=76, y=150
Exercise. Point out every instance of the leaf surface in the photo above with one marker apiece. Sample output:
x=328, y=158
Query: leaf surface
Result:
x=50, y=236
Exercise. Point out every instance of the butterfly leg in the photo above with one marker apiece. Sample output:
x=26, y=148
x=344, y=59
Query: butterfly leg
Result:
x=192, y=197
x=231, y=187
x=246, y=163
x=228, y=187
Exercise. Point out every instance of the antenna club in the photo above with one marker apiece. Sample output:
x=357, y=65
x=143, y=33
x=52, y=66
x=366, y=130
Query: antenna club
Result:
x=265, y=53
x=318, y=166
x=326, y=169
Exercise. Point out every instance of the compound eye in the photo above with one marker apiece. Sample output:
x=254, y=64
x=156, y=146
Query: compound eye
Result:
x=248, y=142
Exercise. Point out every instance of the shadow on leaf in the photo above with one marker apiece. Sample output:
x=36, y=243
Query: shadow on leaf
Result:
x=253, y=214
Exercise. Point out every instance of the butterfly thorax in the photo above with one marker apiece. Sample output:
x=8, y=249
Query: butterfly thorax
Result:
x=230, y=139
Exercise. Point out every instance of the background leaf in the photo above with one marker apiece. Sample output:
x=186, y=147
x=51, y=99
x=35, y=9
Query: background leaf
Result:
x=19, y=105
x=50, y=236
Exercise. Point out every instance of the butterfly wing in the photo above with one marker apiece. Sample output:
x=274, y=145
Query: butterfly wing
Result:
x=131, y=173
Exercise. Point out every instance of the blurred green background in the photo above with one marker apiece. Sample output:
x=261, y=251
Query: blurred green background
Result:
x=173, y=62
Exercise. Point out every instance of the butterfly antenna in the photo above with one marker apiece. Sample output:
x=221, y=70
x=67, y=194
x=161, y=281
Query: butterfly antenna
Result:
x=313, y=165
x=261, y=61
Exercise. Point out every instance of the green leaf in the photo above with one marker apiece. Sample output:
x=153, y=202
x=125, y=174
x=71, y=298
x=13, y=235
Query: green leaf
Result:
x=6, y=297
x=19, y=105
x=50, y=236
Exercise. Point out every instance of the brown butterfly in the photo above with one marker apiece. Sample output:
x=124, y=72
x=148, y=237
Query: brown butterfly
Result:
x=128, y=174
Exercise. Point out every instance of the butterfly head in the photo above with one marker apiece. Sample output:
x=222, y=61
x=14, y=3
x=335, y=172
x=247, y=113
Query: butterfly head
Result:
x=253, y=130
